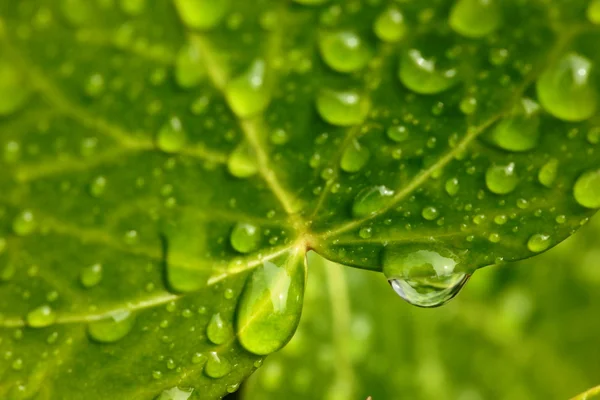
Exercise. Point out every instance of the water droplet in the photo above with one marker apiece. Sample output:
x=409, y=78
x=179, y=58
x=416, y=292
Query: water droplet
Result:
x=41, y=317
x=217, y=366
x=548, y=173
x=370, y=200
x=342, y=108
x=520, y=131
x=94, y=86
x=538, y=243
x=242, y=161
x=14, y=90
x=218, y=331
x=91, y=276
x=248, y=94
x=501, y=178
x=279, y=137
x=344, y=51
x=421, y=74
x=365, y=232
x=98, y=186
x=113, y=328
x=430, y=213
x=468, y=105
x=176, y=393
x=245, y=237
x=269, y=308
x=452, y=186
x=172, y=137
x=24, y=223
x=198, y=358
x=424, y=278
x=202, y=14
x=566, y=91
x=355, y=157
x=398, y=133
x=475, y=18
x=593, y=12
x=390, y=26
x=587, y=189
x=189, y=70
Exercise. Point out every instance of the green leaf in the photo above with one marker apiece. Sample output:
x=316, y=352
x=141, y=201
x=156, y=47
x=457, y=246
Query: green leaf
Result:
x=521, y=331
x=162, y=158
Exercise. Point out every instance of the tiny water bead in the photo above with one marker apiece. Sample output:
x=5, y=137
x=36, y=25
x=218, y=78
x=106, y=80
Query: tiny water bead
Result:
x=422, y=75
x=475, y=18
x=593, y=12
x=245, y=237
x=370, y=200
x=424, y=278
x=94, y=86
x=398, y=133
x=342, y=108
x=171, y=137
x=217, y=366
x=538, y=243
x=91, y=276
x=14, y=90
x=390, y=26
x=587, y=189
x=218, y=330
x=355, y=157
x=344, y=51
x=269, y=308
x=248, y=94
x=202, y=14
x=548, y=173
x=176, y=393
x=113, y=328
x=98, y=186
x=519, y=131
x=41, y=317
x=566, y=90
x=242, y=161
x=502, y=178
x=24, y=223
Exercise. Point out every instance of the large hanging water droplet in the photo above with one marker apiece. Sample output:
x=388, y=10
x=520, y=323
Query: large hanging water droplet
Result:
x=370, y=200
x=565, y=89
x=218, y=330
x=112, y=328
x=587, y=189
x=41, y=317
x=91, y=276
x=424, y=278
x=176, y=393
x=342, y=108
x=245, y=237
x=202, y=14
x=172, y=137
x=423, y=76
x=14, y=90
x=390, y=26
x=502, y=178
x=242, y=161
x=269, y=309
x=248, y=94
x=475, y=18
x=344, y=51
x=548, y=173
x=355, y=157
x=189, y=69
x=520, y=131
x=217, y=366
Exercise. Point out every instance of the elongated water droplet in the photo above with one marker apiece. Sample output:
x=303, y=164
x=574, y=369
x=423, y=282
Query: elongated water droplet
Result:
x=202, y=14
x=390, y=26
x=270, y=306
x=113, y=328
x=475, y=18
x=189, y=69
x=422, y=75
x=24, y=223
x=502, y=178
x=91, y=276
x=41, y=317
x=172, y=137
x=565, y=89
x=217, y=366
x=520, y=131
x=218, y=330
x=587, y=189
x=548, y=173
x=14, y=90
x=424, y=278
x=593, y=12
x=355, y=157
x=248, y=94
x=538, y=242
x=245, y=237
x=452, y=186
x=342, y=108
x=370, y=200
x=176, y=393
x=242, y=161
x=344, y=51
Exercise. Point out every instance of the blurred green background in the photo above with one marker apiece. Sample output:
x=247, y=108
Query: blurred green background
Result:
x=526, y=330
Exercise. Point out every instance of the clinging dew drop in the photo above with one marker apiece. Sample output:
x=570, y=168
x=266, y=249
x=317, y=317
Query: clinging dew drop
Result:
x=245, y=237
x=502, y=178
x=176, y=393
x=202, y=14
x=217, y=366
x=171, y=137
x=355, y=157
x=370, y=200
x=242, y=162
x=344, y=51
x=113, y=328
x=346, y=108
x=423, y=75
x=587, y=189
x=390, y=26
x=248, y=94
x=41, y=317
x=475, y=18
